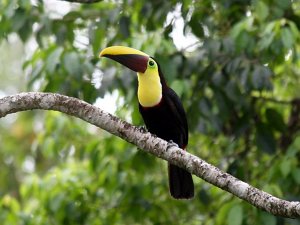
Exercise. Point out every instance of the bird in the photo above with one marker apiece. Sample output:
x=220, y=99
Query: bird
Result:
x=160, y=108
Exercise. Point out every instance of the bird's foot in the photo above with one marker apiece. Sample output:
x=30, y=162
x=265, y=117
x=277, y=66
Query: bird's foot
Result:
x=143, y=129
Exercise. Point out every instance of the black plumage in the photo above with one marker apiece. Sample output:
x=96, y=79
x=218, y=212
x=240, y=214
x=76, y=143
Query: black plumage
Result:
x=168, y=121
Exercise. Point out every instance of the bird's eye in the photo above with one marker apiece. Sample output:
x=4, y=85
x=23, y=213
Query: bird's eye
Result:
x=151, y=63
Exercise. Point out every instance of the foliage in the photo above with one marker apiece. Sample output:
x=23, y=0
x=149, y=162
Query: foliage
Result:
x=238, y=81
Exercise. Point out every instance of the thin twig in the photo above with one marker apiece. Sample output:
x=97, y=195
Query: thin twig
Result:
x=82, y=1
x=266, y=99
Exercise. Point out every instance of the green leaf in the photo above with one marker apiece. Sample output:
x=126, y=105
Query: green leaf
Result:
x=53, y=59
x=232, y=91
x=168, y=30
x=266, y=41
x=294, y=148
x=179, y=86
x=35, y=74
x=243, y=40
x=284, y=4
x=195, y=24
x=205, y=107
x=294, y=29
x=265, y=140
x=285, y=167
x=275, y=119
x=73, y=15
x=235, y=215
x=287, y=37
x=267, y=218
x=222, y=213
x=19, y=19
x=96, y=37
x=124, y=26
x=204, y=197
x=296, y=175
x=261, y=77
x=262, y=10
x=72, y=64
x=24, y=32
x=273, y=189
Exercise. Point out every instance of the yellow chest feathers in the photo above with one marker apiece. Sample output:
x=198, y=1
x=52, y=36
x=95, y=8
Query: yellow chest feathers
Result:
x=149, y=89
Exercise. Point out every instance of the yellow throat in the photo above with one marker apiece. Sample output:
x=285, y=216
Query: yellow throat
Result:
x=149, y=88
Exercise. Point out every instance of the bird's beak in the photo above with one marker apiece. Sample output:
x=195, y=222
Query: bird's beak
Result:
x=129, y=57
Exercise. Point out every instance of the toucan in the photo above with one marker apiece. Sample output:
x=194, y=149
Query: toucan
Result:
x=161, y=109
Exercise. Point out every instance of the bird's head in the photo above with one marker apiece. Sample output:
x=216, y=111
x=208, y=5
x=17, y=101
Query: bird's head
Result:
x=149, y=75
x=132, y=58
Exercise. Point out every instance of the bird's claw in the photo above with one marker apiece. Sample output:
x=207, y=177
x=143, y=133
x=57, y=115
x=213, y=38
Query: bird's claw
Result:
x=142, y=129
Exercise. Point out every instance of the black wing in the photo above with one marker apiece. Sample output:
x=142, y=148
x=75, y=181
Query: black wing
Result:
x=175, y=104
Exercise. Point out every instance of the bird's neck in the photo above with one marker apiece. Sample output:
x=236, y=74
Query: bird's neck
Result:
x=149, y=89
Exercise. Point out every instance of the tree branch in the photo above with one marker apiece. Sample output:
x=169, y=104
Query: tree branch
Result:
x=266, y=99
x=82, y=1
x=151, y=144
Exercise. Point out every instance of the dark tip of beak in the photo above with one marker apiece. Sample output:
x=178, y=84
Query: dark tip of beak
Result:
x=137, y=63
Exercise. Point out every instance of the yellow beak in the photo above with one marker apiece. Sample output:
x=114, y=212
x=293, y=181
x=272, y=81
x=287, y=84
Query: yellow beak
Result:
x=129, y=57
x=121, y=50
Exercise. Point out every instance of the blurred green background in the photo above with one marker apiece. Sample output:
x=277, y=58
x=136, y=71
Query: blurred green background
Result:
x=235, y=65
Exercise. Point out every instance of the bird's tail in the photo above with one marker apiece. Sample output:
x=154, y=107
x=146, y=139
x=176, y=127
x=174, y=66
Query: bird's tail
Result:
x=180, y=183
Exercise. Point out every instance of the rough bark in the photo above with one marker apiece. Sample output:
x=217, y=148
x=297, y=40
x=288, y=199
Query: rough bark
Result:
x=151, y=144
